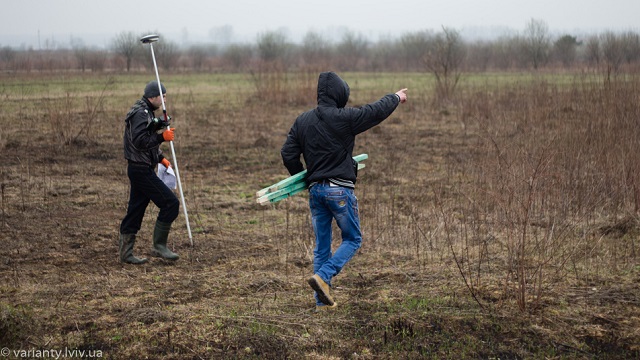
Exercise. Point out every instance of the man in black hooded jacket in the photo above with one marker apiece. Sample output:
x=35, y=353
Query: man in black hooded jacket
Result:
x=325, y=137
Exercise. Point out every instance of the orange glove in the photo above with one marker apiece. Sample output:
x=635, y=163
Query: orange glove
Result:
x=168, y=134
x=166, y=163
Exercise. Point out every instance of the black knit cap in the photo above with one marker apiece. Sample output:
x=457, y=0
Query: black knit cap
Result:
x=151, y=90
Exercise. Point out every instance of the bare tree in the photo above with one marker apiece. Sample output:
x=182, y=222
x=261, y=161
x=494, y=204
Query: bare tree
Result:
x=315, y=49
x=537, y=40
x=198, y=55
x=167, y=54
x=81, y=52
x=96, y=60
x=272, y=45
x=593, y=53
x=479, y=55
x=444, y=61
x=565, y=49
x=631, y=46
x=7, y=58
x=505, y=52
x=352, y=50
x=415, y=47
x=24, y=61
x=383, y=56
x=126, y=44
x=238, y=55
x=612, y=52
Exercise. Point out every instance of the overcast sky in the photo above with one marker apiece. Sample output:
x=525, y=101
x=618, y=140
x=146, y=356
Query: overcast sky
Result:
x=34, y=23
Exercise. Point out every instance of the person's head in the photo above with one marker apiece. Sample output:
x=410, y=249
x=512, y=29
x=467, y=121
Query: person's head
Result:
x=332, y=90
x=152, y=93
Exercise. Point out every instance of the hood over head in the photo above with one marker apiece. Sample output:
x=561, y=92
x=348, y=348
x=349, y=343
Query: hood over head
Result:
x=332, y=90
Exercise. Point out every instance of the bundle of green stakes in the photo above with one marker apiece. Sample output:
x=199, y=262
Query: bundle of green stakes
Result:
x=292, y=185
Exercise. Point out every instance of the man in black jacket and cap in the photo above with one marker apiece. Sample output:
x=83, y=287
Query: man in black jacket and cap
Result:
x=143, y=134
x=325, y=137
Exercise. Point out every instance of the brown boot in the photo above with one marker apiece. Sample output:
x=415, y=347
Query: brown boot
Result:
x=322, y=289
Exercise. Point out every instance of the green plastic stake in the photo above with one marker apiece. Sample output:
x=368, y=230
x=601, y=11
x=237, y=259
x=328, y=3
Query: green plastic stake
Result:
x=289, y=190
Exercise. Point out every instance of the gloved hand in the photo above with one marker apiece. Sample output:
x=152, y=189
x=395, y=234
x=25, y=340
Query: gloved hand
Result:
x=168, y=134
x=166, y=163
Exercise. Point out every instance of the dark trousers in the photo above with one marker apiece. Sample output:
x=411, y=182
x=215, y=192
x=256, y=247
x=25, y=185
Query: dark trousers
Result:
x=145, y=187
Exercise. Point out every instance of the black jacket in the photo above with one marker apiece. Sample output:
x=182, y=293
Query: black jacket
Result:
x=326, y=155
x=141, y=145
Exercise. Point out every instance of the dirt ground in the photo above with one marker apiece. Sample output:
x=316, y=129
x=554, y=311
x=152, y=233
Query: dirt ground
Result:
x=240, y=290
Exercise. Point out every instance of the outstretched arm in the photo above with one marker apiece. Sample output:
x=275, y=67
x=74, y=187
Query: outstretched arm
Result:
x=372, y=114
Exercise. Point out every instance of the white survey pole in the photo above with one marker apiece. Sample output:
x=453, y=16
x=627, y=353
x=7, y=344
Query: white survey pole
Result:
x=150, y=39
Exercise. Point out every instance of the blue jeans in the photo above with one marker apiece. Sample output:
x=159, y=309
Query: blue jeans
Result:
x=146, y=187
x=327, y=203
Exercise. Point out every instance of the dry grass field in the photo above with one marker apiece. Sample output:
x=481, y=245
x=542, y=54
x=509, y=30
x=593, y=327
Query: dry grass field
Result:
x=501, y=224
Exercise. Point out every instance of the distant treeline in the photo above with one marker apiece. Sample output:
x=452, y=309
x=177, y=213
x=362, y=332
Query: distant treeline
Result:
x=534, y=48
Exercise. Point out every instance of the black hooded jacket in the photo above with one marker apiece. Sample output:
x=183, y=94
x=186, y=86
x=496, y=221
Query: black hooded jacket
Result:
x=141, y=145
x=325, y=155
